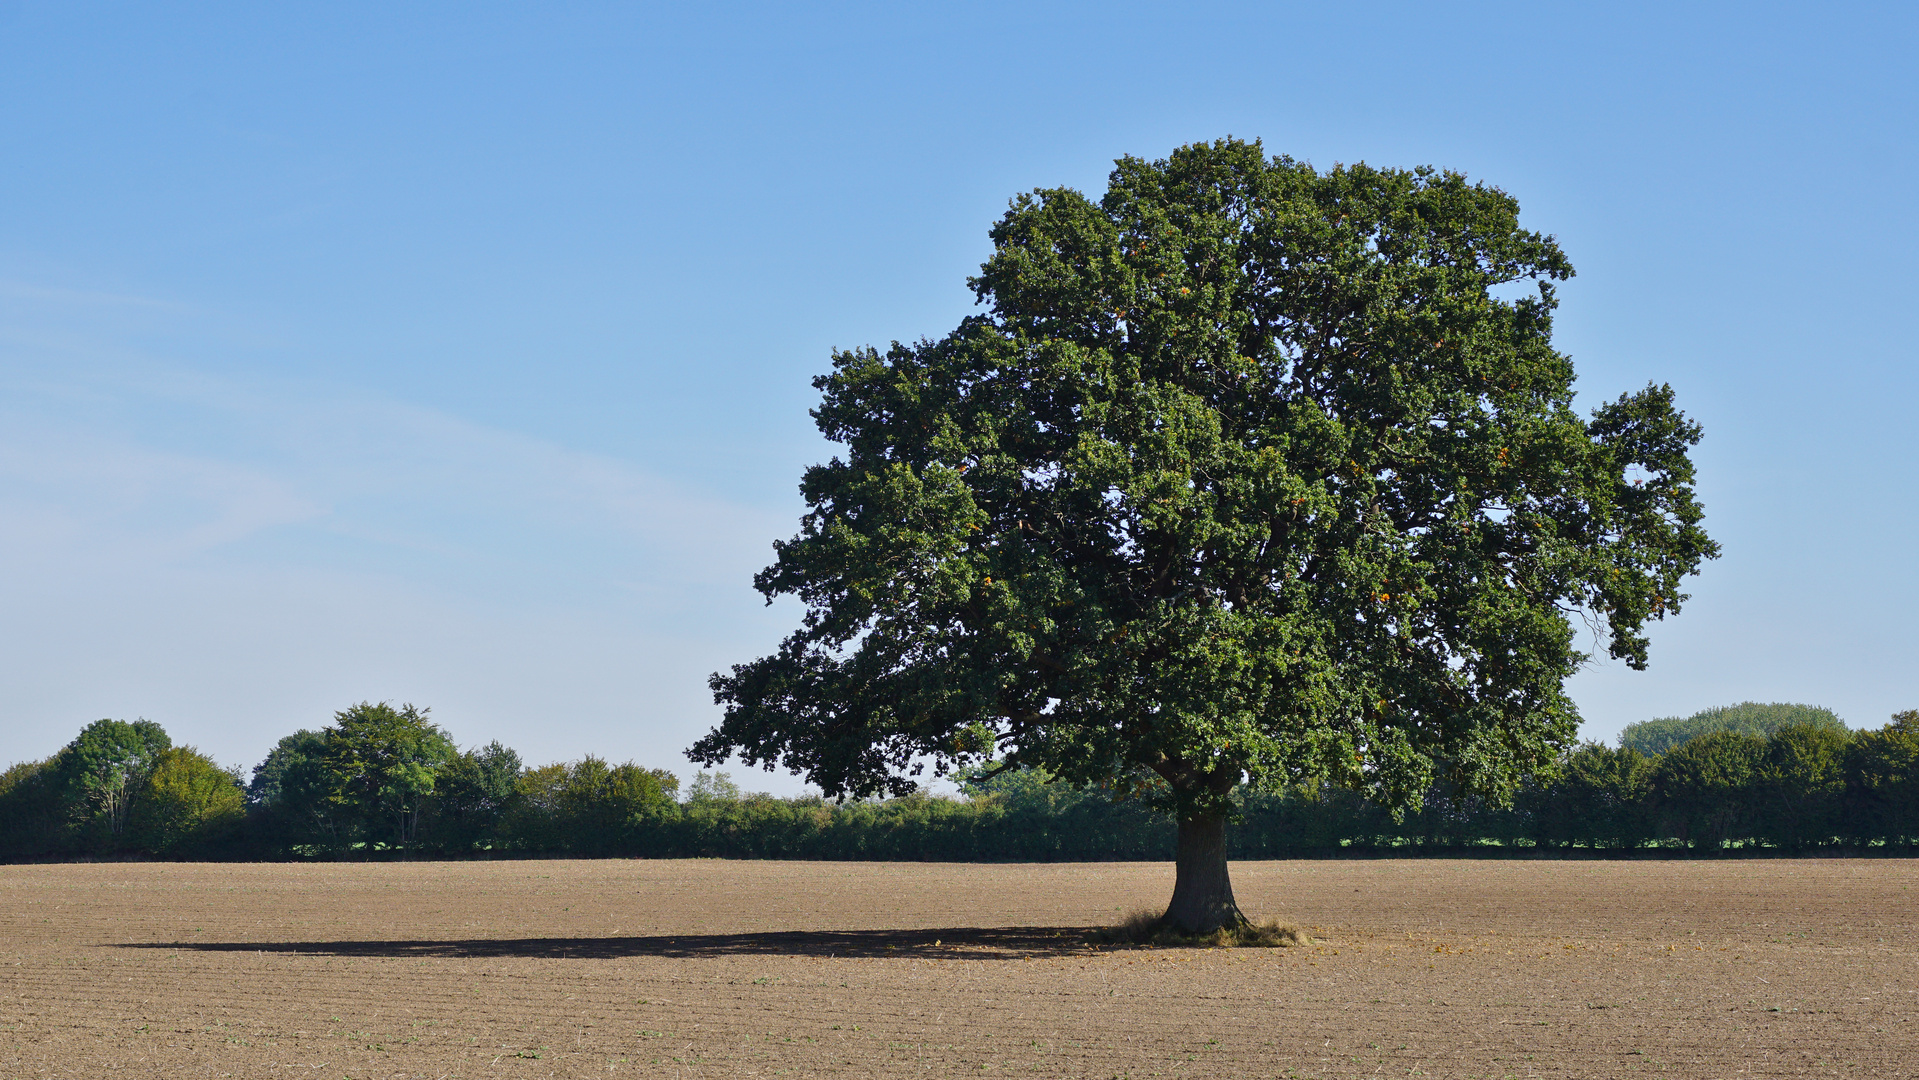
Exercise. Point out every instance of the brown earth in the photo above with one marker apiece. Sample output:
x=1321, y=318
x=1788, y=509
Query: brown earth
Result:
x=715, y=969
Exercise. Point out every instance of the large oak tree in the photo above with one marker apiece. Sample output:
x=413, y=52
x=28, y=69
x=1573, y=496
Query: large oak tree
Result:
x=1247, y=473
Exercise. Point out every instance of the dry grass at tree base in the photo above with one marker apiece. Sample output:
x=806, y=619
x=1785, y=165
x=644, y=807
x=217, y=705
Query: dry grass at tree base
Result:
x=1147, y=927
x=724, y=969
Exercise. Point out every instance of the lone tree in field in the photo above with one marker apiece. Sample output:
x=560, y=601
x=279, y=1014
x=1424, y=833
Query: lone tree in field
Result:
x=1249, y=473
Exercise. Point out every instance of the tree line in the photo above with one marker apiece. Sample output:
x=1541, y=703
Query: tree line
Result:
x=384, y=780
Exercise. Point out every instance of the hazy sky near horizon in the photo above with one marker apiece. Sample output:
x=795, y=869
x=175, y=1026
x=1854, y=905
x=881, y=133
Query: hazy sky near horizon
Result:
x=461, y=354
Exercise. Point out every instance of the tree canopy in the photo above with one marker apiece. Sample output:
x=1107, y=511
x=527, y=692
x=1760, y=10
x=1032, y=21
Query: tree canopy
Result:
x=103, y=767
x=188, y=805
x=380, y=764
x=1746, y=718
x=1247, y=471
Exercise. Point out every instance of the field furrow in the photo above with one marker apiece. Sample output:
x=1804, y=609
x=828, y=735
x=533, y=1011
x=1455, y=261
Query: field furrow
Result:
x=710, y=968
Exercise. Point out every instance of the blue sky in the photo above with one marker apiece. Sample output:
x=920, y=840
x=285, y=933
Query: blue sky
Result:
x=461, y=354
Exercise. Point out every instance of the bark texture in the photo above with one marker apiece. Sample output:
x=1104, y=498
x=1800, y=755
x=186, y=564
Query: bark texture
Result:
x=1202, y=890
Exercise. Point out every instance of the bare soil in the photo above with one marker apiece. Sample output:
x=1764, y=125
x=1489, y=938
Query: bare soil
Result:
x=718, y=969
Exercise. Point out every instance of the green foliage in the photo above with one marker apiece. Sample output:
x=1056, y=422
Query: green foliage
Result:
x=1246, y=474
x=604, y=807
x=535, y=820
x=118, y=788
x=712, y=787
x=1704, y=789
x=380, y=765
x=1747, y=718
x=1600, y=799
x=290, y=798
x=1801, y=785
x=590, y=808
x=100, y=771
x=1018, y=789
x=1805, y=787
x=1310, y=819
x=188, y=806
x=33, y=819
x=473, y=795
x=1882, y=782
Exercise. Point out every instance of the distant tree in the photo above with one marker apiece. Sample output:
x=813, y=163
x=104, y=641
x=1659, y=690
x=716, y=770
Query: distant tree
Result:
x=1248, y=472
x=1601, y=796
x=1027, y=789
x=1882, y=782
x=712, y=787
x=272, y=777
x=473, y=795
x=1306, y=818
x=534, y=821
x=102, y=769
x=290, y=799
x=1747, y=718
x=33, y=817
x=188, y=804
x=1706, y=788
x=592, y=808
x=381, y=763
x=605, y=808
x=1032, y=816
x=1802, y=785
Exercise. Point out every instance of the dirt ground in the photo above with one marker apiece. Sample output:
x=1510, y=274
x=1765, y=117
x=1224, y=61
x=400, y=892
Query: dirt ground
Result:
x=718, y=969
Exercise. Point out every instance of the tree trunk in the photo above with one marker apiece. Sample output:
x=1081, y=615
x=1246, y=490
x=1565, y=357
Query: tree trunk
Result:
x=1202, y=889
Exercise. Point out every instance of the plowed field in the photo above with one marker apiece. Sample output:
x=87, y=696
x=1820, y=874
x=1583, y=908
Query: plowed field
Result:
x=714, y=969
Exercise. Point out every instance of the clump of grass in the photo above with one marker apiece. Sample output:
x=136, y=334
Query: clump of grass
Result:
x=1146, y=928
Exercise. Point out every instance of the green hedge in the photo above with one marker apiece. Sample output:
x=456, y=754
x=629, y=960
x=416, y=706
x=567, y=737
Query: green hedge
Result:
x=1800, y=788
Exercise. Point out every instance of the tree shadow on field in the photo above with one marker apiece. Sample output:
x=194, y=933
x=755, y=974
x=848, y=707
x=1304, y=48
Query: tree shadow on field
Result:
x=967, y=943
